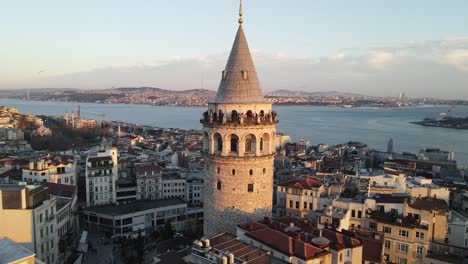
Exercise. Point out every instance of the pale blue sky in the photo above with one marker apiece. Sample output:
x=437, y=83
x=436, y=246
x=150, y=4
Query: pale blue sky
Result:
x=67, y=37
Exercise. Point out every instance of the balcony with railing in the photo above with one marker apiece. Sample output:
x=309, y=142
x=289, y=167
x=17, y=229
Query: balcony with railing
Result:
x=394, y=218
x=249, y=119
x=50, y=218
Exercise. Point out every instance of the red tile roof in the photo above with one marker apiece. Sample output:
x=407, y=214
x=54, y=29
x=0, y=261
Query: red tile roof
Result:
x=286, y=244
x=429, y=204
x=307, y=183
x=14, y=173
x=371, y=250
x=338, y=240
x=141, y=169
x=253, y=226
x=60, y=190
x=12, y=162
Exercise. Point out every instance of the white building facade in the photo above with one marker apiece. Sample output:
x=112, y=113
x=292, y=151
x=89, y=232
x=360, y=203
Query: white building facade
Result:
x=101, y=177
x=27, y=216
x=149, y=182
x=52, y=168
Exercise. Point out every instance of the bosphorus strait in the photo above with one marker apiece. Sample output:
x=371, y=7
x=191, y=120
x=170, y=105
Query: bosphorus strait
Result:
x=331, y=125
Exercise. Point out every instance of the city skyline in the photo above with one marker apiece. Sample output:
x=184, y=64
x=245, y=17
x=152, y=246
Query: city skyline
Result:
x=421, y=50
x=149, y=175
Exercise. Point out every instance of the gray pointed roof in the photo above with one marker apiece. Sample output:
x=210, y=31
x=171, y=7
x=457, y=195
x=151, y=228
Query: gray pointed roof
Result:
x=237, y=87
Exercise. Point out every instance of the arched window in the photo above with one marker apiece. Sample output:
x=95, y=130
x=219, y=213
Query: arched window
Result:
x=248, y=145
x=250, y=172
x=234, y=115
x=250, y=187
x=218, y=142
x=218, y=185
x=265, y=143
x=234, y=144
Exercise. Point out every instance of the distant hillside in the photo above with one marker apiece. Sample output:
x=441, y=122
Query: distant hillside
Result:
x=124, y=95
x=290, y=93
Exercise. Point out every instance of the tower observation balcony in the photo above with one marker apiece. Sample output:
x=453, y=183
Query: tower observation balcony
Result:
x=213, y=119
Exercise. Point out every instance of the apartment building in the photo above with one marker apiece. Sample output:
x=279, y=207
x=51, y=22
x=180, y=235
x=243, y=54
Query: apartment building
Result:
x=194, y=189
x=296, y=240
x=66, y=218
x=149, y=181
x=422, y=187
x=53, y=168
x=173, y=186
x=28, y=217
x=407, y=236
x=458, y=220
x=298, y=197
x=101, y=176
x=137, y=217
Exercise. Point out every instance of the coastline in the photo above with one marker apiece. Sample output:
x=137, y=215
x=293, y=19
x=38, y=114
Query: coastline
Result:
x=421, y=123
x=344, y=106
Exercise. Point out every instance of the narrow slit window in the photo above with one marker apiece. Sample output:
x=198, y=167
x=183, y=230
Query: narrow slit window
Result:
x=245, y=74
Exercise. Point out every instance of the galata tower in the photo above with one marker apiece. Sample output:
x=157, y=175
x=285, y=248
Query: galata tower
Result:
x=239, y=132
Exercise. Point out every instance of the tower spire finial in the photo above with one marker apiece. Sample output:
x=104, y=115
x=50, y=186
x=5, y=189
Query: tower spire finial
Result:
x=241, y=13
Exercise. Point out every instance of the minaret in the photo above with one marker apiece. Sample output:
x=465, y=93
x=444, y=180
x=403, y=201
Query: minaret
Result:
x=239, y=132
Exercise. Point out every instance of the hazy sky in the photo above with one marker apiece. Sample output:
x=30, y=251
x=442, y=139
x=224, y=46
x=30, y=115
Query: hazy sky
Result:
x=375, y=47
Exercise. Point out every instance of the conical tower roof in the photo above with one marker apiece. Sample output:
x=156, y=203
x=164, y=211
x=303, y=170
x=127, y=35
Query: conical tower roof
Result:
x=239, y=83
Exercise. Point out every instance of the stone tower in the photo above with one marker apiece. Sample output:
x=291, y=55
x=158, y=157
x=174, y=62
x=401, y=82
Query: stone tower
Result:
x=239, y=132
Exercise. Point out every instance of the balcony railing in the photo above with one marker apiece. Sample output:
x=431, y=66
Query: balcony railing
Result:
x=50, y=218
x=239, y=119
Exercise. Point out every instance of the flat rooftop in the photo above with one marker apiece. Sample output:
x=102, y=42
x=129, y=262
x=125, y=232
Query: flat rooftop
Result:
x=133, y=207
x=10, y=251
x=243, y=252
x=445, y=257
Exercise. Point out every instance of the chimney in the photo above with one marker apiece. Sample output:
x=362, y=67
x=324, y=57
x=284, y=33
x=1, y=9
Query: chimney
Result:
x=320, y=227
x=291, y=246
x=298, y=236
x=223, y=260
